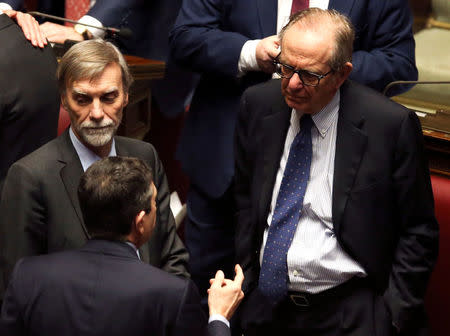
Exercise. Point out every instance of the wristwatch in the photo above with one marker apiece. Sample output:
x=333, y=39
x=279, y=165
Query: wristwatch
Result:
x=83, y=31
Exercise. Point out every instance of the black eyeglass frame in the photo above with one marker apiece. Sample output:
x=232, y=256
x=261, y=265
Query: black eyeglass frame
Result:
x=299, y=72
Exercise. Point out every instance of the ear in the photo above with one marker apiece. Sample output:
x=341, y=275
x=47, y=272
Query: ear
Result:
x=125, y=100
x=139, y=222
x=343, y=74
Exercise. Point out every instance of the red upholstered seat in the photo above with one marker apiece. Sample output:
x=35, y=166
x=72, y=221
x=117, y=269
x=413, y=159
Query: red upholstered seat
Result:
x=63, y=121
x=437, y=300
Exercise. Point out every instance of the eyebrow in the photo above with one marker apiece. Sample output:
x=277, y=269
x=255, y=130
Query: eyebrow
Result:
x=80, y=92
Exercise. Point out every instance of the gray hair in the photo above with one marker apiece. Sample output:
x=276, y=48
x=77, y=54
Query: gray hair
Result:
x=88, y=60
x=338, y=23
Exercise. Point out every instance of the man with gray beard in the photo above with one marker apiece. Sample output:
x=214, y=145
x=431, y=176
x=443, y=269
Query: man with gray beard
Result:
x=39, y=209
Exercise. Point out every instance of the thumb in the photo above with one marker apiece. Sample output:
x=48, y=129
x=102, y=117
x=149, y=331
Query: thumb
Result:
x=218, y=279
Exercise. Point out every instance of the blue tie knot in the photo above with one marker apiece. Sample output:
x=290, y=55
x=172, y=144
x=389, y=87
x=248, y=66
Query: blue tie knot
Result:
x=306, y=122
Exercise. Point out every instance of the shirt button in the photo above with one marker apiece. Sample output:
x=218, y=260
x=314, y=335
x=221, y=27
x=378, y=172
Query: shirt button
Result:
x=295, y=273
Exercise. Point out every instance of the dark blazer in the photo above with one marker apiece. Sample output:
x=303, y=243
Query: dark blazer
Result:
x=208, y=37
x=382, y=201
x=40, y=212
x=102, y=289
x=29, y=98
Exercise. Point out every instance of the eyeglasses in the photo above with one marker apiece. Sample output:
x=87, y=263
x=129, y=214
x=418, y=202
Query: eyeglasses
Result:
x=308, y=78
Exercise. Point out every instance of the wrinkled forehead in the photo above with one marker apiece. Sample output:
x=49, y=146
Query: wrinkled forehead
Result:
x=107, y=78
x=306, y=45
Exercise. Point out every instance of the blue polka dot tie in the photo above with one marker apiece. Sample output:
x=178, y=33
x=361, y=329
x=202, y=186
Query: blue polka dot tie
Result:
x=274, y=272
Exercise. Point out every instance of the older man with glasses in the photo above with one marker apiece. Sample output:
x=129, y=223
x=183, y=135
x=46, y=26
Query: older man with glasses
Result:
x=336, y=231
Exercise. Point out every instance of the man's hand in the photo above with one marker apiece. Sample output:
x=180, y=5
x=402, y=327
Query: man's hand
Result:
x=30, y=27
x=225, y=295
x=58, y=33
x=266, y=51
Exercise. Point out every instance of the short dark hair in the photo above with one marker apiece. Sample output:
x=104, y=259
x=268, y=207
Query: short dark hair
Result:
x=111, y=193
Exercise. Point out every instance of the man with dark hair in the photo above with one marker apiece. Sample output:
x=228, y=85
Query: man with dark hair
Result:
x=124, y=192
x=103, y=289
x=39, y=210
x=335, y=224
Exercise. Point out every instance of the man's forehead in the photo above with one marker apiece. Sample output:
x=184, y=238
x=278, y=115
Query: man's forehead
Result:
x=307, y=44
x=109, y=79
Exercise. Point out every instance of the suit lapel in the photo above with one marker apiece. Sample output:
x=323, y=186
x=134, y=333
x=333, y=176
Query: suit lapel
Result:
x=274, y=128
x=267, y=10
x=70, y=173
x=123, y=150
x=351, y=142
x=342, y=6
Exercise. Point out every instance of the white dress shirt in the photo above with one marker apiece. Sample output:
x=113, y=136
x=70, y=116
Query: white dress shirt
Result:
x=86, y=156
x=247, y=59
x=87, y=19
x=315, y=259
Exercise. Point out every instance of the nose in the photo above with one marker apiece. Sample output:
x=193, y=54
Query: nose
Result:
x=295, y=82
x=96, y=111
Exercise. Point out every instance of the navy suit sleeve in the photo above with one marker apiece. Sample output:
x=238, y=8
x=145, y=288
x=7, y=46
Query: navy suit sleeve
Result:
x=11, y=321
x=113, y=12
x=386, y=48
x=190, y=319
x=202, y=41
x=417, y=248
x=218, y=328
x=15, y=4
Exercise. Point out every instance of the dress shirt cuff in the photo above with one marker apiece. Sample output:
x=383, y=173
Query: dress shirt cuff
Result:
x=247, y=59
x=218, y=317
x=99, y=33
x=4, y=6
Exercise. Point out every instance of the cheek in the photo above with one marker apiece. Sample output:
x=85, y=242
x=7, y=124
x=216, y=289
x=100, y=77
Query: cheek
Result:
x=114, y=112
x=76, y=113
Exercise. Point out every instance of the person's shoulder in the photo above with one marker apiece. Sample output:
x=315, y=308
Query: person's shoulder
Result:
x=136, y=148
x=264, y=90
x=372, y=104
x=42, y=158
x=153, y=280
x=134, y=145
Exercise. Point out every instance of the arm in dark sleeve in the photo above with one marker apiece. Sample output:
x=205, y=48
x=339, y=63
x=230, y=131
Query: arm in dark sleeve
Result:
x=113, y=12
x=165, y=241
x=191, y=320
x=200, y=42
x=386, y=50
x=245, y=231
x=11, y=320
x=15, y=4
x=417, y=248
x=23, y=229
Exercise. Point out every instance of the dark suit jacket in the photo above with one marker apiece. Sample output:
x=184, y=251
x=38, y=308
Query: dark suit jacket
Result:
x=208, y=37
x=29, y=98
x=382, y=201
x=101, y=289
x=40, y=212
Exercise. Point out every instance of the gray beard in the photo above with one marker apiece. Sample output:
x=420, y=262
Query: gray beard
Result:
x=97, y=137
x=97, y=134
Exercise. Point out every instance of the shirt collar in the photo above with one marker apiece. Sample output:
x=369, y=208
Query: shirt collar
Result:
x=87, y=157
x=324, y=118
x=134, y=248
